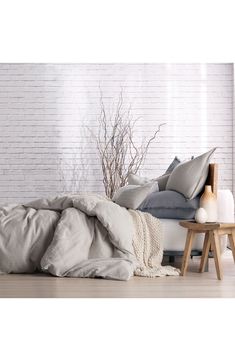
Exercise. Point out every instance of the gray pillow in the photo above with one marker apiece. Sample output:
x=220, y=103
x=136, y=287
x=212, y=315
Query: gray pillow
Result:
x=162, y=181
x=189, y=177
x=131, y=196
x=173, y=164
x=170, y=204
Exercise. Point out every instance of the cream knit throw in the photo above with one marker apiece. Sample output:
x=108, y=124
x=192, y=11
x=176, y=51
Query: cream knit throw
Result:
x=148, y=246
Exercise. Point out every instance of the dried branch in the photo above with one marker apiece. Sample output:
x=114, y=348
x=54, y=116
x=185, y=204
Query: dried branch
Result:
x=119, y=154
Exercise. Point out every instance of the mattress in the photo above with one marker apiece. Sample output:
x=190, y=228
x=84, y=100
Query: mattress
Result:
x=175, y=237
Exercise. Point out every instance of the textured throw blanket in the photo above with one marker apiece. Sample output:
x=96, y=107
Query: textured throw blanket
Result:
x=148, y=246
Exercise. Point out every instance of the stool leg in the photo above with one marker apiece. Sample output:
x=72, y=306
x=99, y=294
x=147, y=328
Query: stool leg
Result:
x=205, y=251
x=232, y=243
x=187, y=251
x=215, y=241
x=207, y=265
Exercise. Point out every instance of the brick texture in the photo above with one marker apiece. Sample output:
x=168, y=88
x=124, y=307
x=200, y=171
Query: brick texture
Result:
x=45, y=110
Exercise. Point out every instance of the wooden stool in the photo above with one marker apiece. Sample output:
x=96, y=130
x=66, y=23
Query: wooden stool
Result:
x=212, y=233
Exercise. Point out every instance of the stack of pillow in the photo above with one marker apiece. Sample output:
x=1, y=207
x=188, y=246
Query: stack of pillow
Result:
x=175, y=194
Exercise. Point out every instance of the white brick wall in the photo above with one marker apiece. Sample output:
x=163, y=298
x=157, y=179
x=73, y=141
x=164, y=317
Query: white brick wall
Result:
x=233, y=156
x=43, y=108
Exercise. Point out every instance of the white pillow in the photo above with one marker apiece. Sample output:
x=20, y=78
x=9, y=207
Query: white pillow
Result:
x=134, y=179
x=131, y=196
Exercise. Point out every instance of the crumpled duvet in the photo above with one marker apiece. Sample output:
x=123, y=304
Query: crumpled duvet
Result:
x=78, y=235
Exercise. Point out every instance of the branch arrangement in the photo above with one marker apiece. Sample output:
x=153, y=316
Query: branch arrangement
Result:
x=118, y=152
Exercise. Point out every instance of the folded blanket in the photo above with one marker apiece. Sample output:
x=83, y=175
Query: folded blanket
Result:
x=148, y=246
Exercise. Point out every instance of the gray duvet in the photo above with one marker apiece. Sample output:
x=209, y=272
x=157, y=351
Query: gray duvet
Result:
x=81, y=235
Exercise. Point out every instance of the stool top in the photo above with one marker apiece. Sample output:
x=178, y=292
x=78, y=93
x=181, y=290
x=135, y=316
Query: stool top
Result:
x=205, y=226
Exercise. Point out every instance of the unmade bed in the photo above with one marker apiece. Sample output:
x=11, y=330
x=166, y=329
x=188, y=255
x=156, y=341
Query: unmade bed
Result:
x=89, y=235
x=80, y=235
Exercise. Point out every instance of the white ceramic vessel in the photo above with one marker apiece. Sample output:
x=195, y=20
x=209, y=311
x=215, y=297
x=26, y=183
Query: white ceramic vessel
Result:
x=201, y=215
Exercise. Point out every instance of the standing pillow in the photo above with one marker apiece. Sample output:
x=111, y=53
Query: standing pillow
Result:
x=162, y=181
x=134, y=179
x=173, y=164
x=131, y=196
x=189, y=178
